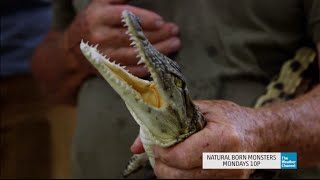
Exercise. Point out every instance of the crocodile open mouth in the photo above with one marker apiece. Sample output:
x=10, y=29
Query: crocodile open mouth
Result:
x=117, y=75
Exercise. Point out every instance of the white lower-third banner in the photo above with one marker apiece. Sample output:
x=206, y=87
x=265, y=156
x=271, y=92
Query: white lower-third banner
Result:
x=274, y=160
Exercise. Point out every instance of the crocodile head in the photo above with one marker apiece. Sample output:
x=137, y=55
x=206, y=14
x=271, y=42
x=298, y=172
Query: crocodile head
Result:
x=162, y=106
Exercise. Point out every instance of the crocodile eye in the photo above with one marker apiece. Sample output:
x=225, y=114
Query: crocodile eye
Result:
x=178, y=82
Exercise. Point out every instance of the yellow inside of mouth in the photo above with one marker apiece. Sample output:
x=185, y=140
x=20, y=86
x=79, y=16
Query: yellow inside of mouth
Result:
x=147, y=89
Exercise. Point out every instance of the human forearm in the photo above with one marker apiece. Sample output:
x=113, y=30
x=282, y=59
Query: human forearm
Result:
x=294, y=126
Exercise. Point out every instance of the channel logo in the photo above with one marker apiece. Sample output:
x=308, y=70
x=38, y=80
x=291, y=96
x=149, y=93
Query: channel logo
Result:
x=289, y=160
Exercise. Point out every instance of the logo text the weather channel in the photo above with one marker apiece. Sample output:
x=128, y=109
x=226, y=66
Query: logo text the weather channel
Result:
x=275, y=160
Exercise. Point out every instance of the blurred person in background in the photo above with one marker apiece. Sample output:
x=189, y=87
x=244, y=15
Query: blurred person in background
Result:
x=24, y=129
x=227, y=51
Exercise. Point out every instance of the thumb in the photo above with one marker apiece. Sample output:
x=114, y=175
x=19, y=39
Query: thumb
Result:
x=137, y=147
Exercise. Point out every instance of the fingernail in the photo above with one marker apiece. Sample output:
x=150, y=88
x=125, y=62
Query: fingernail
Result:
x=175, y=44
x=159, y=23
x=175, y=30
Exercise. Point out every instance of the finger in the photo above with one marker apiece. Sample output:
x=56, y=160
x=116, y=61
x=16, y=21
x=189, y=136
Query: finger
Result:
x=108, y=37
x=139, y=71
x=168, y=30
x=137, y=147
x=184, y=155
x=149, y=20
x=127, y=56
x=168, y=46
x=117, y=37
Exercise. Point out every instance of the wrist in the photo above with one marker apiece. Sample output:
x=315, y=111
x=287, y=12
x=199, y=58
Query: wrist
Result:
x=273, y=129
x=258, y=131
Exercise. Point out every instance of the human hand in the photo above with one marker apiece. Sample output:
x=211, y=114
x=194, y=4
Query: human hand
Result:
x=230, y=128
x=100, y=23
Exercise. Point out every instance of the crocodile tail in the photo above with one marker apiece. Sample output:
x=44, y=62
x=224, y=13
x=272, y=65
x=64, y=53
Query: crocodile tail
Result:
x=288, y=84
x=136, y=162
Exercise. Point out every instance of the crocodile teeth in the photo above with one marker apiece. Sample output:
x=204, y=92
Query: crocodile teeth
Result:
x=140, y=61
x=137, y=50
x=133, y=43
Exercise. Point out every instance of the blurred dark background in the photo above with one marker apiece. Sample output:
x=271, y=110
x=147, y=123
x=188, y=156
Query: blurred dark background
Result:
x=34, y=136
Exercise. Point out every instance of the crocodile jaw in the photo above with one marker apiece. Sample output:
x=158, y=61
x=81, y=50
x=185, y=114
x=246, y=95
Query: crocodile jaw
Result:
x=141, y=97
x=161, y=107
x=128, y=86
